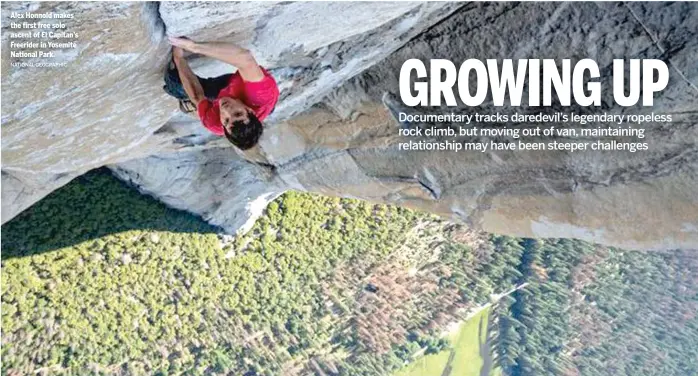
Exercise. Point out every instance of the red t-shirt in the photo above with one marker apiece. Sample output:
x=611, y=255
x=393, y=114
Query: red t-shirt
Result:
x=261, y=96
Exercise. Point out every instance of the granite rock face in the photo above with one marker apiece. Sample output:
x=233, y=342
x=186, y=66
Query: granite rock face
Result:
x=58, y=123
x=334, y=132
x=108, y=106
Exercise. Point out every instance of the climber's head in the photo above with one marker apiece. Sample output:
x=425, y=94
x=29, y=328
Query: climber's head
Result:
x=240, y=125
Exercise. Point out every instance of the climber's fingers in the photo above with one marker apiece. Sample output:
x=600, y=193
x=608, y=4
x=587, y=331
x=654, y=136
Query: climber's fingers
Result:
x=185, y=43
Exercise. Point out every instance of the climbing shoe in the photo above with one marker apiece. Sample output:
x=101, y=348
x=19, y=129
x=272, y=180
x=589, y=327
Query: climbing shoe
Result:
x=186, y=106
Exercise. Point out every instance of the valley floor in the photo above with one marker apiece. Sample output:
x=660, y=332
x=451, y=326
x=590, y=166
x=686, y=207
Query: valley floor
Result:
x=98, y=279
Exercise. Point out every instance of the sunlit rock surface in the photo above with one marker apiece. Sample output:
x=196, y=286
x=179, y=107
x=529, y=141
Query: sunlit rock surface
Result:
x=337, y=65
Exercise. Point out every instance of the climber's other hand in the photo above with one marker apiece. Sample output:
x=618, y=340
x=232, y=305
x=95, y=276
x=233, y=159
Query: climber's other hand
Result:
x=182, y=42
x=177, y=52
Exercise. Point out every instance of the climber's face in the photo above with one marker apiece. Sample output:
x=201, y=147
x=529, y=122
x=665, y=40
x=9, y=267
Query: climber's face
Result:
x=233, y=110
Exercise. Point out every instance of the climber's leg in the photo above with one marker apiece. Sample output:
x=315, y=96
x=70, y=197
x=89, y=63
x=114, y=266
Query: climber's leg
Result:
x=173, y=87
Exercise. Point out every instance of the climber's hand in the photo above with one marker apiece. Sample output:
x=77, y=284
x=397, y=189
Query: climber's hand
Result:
x=183, y=42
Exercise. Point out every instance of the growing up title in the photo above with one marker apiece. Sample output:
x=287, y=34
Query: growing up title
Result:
x=646, y=77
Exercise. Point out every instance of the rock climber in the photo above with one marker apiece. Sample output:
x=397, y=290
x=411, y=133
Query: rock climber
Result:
x=232, y=105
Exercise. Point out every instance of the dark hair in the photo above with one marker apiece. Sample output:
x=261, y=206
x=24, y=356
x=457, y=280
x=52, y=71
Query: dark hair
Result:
x=245, y=135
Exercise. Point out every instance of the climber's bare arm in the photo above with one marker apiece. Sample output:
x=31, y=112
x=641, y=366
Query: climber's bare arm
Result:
x=229, y=53
x=189, y=80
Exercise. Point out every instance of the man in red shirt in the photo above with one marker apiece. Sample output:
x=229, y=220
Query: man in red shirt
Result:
x=232, y=105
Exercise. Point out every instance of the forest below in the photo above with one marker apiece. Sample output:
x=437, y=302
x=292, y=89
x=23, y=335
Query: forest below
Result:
x=99, y=279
